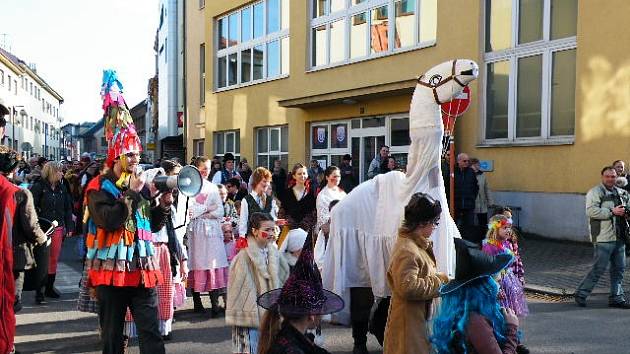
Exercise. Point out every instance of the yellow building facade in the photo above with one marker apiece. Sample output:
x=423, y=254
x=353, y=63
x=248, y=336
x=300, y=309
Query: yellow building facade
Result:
x=296, y=80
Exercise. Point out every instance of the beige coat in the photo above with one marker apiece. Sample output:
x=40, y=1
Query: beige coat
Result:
x=250, y=276
x=412, y=276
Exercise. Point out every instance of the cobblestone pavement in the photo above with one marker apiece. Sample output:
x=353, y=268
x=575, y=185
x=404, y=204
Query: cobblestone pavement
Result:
x=558, y=267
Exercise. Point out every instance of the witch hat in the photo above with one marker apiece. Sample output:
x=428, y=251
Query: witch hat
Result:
x=472, y=263
x=303, y=294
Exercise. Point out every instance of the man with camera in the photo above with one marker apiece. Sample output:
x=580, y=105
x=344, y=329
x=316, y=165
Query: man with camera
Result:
x=607, y=210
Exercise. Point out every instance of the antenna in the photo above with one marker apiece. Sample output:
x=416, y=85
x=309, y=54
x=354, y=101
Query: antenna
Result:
x=3, y=43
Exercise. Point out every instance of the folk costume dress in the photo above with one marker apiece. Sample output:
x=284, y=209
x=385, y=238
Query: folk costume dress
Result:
x=254, y=203
x=325, y=196
x=511, y=293
x=206, y=251
x=299, y=210
x=170, y=253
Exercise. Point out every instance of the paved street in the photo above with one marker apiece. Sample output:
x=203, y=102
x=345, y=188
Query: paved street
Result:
x=558, y=267
x=555, y=325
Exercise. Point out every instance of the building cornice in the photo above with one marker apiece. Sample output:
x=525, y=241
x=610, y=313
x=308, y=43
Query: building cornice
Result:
x=356, y=94
x=10, y=64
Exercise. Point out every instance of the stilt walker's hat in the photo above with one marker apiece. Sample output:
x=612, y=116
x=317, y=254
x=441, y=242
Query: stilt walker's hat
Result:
x=303, y=294
x=120, y=132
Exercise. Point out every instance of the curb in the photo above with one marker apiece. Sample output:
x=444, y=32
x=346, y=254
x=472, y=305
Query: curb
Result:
x=547, y=290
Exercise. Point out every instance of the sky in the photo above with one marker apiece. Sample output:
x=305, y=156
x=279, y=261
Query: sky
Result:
x=72, y=41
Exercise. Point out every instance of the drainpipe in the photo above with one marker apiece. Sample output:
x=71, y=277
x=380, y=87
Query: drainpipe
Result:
x=184, y=68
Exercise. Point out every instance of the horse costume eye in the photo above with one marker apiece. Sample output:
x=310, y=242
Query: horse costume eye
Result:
x=435, y=79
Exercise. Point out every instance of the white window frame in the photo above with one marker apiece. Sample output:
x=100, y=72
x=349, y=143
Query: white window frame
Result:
x=346, y=14
x=198, y=147
x=270, y=152
x=546, y=48
x=329, y=150
x=264, y=40
x=232, y=150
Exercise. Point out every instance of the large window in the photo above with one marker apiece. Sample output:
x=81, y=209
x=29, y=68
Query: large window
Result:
x=272, y=143
x=530, y=71
x=253, y=44
x=227, y=141
x=345, y=31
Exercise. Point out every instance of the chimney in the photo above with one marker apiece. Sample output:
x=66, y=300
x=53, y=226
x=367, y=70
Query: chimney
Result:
x=33, y=67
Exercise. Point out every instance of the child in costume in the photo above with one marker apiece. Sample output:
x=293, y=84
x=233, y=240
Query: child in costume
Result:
x=296, y=308
x=499, y=240
x=254, y=271
x=470, y=318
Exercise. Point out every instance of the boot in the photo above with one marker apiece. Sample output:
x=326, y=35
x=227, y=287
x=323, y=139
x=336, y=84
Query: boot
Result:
x=39, y=297
x=359, y=336
x=17, y=305
x=198, y=304
x=216, y=310
x=50, y=289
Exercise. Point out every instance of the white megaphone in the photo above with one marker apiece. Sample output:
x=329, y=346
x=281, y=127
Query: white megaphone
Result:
x=188, y=182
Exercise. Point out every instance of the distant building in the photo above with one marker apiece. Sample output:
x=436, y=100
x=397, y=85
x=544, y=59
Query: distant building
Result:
x=34, y=119
x=169, y=66
x=93, y=139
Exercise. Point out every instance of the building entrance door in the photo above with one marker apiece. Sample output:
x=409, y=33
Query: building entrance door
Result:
x=364, y=148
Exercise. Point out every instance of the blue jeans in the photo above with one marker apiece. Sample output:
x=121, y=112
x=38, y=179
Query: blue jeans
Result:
x=605, y=252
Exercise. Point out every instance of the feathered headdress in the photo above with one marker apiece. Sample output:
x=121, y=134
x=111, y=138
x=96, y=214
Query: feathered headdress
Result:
x=120, y=132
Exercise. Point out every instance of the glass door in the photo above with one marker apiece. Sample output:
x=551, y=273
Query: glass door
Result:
x=364, y=149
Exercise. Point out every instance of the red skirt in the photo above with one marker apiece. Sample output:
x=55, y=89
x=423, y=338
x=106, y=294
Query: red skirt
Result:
x=55, y=249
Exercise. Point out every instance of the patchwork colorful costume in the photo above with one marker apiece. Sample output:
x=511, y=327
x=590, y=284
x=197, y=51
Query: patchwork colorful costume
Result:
x=121, y=260
x=126, y=255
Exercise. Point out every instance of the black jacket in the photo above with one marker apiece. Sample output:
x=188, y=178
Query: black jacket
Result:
x=466, y=188
x=348, y=182
x=53, y=204
x=290, y=341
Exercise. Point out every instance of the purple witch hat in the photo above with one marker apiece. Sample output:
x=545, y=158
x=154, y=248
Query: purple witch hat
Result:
x=303, y=294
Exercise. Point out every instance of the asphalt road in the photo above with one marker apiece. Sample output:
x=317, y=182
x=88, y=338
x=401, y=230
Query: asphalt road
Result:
x=553, y=326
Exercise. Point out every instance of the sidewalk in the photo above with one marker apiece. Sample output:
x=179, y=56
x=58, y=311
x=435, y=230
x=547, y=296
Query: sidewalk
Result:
x=557, y=267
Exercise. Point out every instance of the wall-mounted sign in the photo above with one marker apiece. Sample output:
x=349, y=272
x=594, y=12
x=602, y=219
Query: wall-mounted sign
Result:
x=339, y=134
x=320, y=137
x=486, y=165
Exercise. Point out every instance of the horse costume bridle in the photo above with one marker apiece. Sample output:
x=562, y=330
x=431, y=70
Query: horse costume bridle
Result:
x=437, y=80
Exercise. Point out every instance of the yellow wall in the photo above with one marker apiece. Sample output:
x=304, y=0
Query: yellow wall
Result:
x=257, y=105
x=195, y=36
x=602, y=124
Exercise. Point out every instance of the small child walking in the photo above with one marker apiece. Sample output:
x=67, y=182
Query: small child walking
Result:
x=501, y=240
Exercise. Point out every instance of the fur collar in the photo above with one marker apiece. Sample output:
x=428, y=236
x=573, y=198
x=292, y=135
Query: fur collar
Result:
x=268, y=269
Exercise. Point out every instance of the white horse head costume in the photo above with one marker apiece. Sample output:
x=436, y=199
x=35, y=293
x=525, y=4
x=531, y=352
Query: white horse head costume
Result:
x=365, y=224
